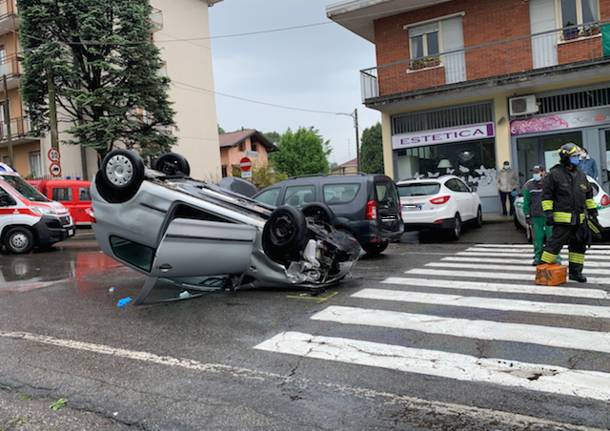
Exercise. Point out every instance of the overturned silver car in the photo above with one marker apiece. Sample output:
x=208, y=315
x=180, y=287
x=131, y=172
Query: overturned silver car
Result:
x=200, y=237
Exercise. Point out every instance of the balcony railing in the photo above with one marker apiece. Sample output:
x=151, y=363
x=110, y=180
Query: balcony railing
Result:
x=10, y=66
x=20, y=128
x=574, y=44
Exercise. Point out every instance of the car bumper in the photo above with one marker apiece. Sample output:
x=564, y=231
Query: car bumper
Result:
x=369, y=232
x=50, y=230
x=439, y=225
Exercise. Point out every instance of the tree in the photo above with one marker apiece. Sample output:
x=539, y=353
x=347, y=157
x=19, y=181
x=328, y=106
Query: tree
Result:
x=265, y=176
x=371, y=151
x=105, y=69
x=303, y=152
x=221, y=131
x=273, y=137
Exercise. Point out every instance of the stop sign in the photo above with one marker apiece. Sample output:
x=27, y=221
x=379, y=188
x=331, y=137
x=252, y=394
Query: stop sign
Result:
x=245, y=164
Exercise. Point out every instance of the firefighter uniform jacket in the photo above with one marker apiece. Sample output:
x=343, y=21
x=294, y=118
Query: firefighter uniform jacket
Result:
x=567, y=194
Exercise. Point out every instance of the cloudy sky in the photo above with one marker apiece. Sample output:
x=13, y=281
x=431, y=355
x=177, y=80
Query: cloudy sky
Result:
x=315, y=68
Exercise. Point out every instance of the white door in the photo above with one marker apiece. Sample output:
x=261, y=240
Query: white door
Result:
x=543, y=20
x=453, y=43
x=462, y=199
x=193, y=248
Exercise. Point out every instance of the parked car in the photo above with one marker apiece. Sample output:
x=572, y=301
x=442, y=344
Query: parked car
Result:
x=73, y=194
x=443, y=204
x=170, y=227
x=27, y=218
x=601, y=198
x=366, y=206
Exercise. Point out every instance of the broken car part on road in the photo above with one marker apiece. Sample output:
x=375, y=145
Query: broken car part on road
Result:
x=202, y=238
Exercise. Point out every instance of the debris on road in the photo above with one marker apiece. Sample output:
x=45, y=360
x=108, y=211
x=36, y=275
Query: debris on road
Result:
x=124, y=302
x=59, y=404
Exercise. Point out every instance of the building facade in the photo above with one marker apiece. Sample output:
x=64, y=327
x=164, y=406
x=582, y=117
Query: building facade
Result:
x=188, y=65
x=464, y=85
x=248, y=143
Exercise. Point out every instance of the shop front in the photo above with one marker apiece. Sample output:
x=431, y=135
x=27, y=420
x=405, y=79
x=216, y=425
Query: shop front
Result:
x=466, y=151
x=537, y=139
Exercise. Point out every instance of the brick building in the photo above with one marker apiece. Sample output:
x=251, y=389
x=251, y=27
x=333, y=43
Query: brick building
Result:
x=472, y=83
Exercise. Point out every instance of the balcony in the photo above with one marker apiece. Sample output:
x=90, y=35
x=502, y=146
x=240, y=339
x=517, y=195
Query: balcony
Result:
x=8, y=16
x=11, y=67
x=567, y=49
x=21, y=131
x=156, y=18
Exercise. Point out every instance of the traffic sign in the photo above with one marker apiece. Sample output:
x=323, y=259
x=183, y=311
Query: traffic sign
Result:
x=245, y=164
x=55, y=170
x=54, y=155
x=246, y=174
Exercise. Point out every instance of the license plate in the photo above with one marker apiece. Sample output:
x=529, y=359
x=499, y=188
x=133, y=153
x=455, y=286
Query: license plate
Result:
x=70, y=232
x=412, y=207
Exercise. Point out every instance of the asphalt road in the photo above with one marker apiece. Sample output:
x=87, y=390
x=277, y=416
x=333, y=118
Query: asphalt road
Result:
x=417, y=339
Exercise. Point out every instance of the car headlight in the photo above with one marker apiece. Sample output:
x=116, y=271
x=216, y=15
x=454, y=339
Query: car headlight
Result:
x=42, y=210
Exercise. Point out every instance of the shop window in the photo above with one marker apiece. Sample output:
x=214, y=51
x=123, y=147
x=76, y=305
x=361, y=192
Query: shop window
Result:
x=573, y=13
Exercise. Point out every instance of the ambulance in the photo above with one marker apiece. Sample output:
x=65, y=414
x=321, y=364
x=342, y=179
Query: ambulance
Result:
x=27, y=218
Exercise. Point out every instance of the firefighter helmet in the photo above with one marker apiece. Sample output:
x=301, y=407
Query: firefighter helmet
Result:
x=568, y=151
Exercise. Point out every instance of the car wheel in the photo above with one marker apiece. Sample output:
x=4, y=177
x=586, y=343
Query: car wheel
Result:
x=19, y=240
x=321, y=213
x=285, y=234
x=173, y=164
x=120, y=176
x=376, y=249
x=456, y=232
x=478, y=222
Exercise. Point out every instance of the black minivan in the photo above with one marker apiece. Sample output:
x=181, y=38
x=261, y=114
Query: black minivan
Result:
x=367, y=206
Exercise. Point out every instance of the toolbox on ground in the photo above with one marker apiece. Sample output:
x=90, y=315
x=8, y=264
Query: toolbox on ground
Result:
x=551, y=274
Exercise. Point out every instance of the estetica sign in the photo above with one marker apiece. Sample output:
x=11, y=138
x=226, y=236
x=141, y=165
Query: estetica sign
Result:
x=443, y=136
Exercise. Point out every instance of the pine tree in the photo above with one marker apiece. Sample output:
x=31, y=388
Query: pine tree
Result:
x=106, y=71
x=371, y=150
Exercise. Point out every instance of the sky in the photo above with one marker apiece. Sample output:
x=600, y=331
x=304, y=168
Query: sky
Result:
x=313, y=68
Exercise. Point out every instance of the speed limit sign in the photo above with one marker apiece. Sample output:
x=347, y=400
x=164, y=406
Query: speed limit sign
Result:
x=55, y=170
x=54, y=155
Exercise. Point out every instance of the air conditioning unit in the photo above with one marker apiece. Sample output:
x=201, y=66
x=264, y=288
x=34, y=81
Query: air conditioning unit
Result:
x=523, y=105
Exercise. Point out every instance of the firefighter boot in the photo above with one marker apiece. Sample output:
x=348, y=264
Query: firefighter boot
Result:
x=577, y=261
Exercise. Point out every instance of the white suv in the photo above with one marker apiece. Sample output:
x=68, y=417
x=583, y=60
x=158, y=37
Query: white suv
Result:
x=443, y=203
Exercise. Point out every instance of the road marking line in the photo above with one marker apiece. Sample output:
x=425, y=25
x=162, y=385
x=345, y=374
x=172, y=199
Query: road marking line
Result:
x=566, y=338
x=534, y=377
x=433, y=408
x=512, y=255
x=566, y=309
x=490, y=275
x=574, y=292
x=595, y=247
x=592, y=252
x=320, y=299
x=513, y=261
x=525, y=268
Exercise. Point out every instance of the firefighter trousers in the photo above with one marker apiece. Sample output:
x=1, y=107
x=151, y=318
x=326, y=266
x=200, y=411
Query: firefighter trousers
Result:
x=572, y=235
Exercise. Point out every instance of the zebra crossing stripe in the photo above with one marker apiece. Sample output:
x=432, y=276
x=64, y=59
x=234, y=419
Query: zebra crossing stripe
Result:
x=489, y=275
x=592, y=252
x=534, y=377
x=522, y=268
x=494, y=253
x=498, y=287
x=593, y=311
x=566, y=338
x=513, y=261
x=595, y=247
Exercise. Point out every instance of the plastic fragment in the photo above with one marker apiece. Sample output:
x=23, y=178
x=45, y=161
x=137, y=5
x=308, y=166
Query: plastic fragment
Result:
x=124, y=302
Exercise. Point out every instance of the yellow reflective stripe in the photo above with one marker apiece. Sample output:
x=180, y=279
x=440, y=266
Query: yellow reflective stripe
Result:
x=594, y=228
x=548, y=257
x=591, y=205
x=582, y=218
x=547, y=205
x=577, y=258
x=560, y=217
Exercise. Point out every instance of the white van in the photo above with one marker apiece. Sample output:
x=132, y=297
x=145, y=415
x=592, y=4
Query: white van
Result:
x=27, y=218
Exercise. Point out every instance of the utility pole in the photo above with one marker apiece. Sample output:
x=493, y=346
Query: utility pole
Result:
x=7, y=117
x=357, y=127
x=53, y=112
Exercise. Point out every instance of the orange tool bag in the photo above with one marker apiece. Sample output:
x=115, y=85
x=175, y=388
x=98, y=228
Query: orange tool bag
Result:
x=551, y=274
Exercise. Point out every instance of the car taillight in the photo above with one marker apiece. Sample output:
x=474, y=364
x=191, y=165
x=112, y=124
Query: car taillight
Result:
x=371, y=210
x=605, y=200
x=440, y=200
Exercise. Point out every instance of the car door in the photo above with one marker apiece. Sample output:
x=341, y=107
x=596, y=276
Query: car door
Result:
x=461, y=200
x=8, y=205
x=388, y=204
x=470, y=202
x=193, y=248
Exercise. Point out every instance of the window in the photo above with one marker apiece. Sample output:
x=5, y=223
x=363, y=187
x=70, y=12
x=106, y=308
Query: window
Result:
x=269, y=197
x=62, y=194
x=224, y=171
x=26, y=190
x=6, y=200
x=424, y=41
x=242, y=146
x=386, y=194
x=577, y=12
x=135, y=254
x=340, y=193
x=419, y=189
x=253, y=146
x=35, y=164
x=297, y=196
x=453, y=185
x=84, y=195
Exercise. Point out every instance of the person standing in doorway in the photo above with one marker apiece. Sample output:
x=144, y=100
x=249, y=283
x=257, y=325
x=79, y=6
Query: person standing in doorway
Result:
x=507, y=184
x=588, y=165
x=534, y=215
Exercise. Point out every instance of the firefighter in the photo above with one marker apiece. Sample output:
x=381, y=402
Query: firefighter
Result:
x=567, y=201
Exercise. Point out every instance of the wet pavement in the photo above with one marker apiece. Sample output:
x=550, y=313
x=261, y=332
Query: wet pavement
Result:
x=194, y=365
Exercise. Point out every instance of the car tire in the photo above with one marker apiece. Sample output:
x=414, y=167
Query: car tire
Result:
x=456, y=231
x=320, y=212
x=373, y=250
x=285, y=234
x=108, y=183
x=173, y=164
x=19, y=240
x=478, y=221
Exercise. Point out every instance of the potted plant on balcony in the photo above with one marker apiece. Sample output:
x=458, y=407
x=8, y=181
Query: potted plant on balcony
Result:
x=426, y=62
x=570, y=32
x=589, y=30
